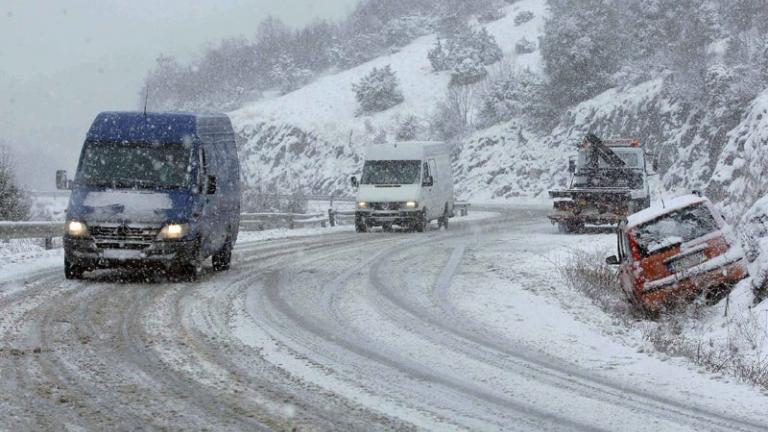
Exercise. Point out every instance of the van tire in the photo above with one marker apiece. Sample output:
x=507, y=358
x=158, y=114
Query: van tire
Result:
x=222, y=260
x=443, y=221
x=421, y=221
x=190, y=271
x=73, y=271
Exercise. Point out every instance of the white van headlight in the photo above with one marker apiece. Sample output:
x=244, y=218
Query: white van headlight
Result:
x=173, y=231
x=362, y=204
x=411, y=204
x=76, y=229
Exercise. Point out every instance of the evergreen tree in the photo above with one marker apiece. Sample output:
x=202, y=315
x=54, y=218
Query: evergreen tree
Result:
x=378, y=91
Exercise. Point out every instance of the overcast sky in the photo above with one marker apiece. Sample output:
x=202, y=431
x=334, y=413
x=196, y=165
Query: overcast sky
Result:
x=63, y=61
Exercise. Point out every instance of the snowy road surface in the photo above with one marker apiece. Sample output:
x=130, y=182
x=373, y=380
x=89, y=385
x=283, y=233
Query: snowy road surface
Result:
x=468, y=329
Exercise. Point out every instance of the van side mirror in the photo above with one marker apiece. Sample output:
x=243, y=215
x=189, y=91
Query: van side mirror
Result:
x=354, y=182
x=62, y=182
x=612, y=260
x=428, y=181
x=572, y=166
x=210, y=187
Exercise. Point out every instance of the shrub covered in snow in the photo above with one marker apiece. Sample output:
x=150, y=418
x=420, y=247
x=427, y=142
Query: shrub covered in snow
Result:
x=463, y=48
x=523, y=17
x=288, y=76
x=468, y=71
x=525, y=46
x=410, y=129
x=378, y=91
x=508, y=94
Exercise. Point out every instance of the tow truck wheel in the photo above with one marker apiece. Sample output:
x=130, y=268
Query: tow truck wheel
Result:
x=361, y=227
x=387, y=227
x=72, y=271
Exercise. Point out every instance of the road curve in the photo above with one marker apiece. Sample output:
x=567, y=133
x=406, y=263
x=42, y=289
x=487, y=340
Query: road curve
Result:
x=333, y=332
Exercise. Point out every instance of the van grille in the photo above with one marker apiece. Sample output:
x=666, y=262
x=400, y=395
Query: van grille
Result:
x=386, y=205
x=123, y=233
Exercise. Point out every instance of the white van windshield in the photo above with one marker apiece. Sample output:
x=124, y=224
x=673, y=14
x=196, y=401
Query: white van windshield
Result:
x=391, y=172
x=132, y=166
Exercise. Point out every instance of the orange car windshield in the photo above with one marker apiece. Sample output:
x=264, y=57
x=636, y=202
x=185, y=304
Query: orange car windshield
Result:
x=676, y=227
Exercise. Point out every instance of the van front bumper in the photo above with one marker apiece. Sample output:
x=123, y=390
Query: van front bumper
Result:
x=381, y=217
x=84, y=252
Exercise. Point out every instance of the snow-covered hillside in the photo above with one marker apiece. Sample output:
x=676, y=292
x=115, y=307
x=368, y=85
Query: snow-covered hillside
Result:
x=313, y=138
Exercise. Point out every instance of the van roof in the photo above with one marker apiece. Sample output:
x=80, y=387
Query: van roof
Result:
x=406, y=150
x=158, y=127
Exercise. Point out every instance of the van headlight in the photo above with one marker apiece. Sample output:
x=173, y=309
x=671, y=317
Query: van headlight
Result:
x=411, y=204
x=76, y=229
x=173, y=231
x=362, y=205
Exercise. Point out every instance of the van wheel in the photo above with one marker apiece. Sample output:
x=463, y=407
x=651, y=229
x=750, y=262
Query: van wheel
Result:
x=190, y=271
x=222, y=260
x=73, y=271
x=443, y=221
x=422, y=222
x=361, y=227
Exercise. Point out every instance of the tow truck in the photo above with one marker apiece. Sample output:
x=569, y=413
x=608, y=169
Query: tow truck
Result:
x=609, y=182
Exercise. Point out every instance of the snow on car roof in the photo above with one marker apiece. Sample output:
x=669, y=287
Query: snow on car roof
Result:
x=674, y=204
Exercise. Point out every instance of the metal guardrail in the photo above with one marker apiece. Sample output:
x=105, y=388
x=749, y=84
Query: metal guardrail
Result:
x=248, y=222
x=336, y=217
x=462, y=207
x=262, y=221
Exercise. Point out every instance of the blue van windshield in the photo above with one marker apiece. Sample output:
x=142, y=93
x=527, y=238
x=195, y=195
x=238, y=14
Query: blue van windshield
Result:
x=135, y=166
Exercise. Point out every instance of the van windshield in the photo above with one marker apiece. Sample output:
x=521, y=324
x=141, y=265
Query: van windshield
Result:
x=135, y=166
x=680, y=226
x=397, y=172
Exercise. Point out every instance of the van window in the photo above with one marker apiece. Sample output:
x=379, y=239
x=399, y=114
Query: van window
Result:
x=427, y=172
x=132, y=165
x=433, y=168
x=390, y=172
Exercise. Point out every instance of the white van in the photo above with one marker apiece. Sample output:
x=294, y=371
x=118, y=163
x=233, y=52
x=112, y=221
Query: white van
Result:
x=408, y=184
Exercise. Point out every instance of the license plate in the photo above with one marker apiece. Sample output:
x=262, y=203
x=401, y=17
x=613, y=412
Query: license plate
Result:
x=121, y=254
x=686, y=262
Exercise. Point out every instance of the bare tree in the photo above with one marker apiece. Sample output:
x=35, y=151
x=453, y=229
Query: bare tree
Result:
x=14, y=204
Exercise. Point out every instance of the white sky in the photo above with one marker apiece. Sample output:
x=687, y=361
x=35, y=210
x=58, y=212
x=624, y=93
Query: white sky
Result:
x=62, y=62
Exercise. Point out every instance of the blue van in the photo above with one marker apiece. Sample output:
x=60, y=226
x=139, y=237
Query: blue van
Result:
x=153, y=188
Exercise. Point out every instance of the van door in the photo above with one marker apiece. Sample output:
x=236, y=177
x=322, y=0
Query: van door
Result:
x=211, y=227
x=429, y=193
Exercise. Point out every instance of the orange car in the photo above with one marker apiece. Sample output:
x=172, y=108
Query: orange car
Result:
x=674, y=254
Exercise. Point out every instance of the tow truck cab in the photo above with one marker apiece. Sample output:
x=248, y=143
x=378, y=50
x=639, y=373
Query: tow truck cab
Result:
x=673, y=254
x=153, y=188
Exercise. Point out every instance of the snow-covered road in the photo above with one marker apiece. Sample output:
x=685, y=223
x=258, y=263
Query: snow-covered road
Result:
x=451, y=330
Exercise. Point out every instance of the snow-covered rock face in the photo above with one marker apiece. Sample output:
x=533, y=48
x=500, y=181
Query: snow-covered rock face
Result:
x=741, y=172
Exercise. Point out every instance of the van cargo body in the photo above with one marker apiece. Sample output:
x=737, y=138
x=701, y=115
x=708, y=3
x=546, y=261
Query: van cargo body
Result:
x=408, y=184
x=155, y=188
